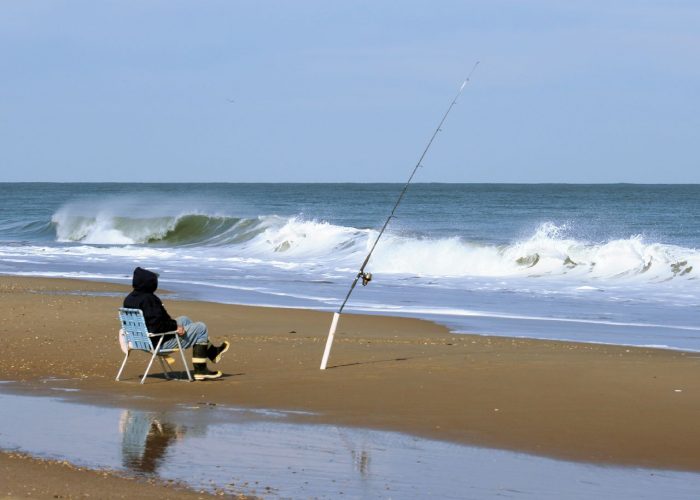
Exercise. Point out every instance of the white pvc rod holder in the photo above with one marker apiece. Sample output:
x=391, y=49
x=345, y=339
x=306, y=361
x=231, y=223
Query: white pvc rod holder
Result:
x=329, y=341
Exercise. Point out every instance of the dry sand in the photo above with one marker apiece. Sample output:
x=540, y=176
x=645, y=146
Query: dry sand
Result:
x=607, y=404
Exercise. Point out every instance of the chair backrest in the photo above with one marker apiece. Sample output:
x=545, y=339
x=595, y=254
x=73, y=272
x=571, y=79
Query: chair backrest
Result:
x=135, y=330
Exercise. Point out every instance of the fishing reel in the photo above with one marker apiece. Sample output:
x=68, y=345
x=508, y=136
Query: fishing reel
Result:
x=366, y=278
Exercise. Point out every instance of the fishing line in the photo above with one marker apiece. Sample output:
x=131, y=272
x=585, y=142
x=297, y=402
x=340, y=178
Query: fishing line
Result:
x=361, y=274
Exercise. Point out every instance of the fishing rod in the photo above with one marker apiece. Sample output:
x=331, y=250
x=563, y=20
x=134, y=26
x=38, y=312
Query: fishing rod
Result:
x=361, y=274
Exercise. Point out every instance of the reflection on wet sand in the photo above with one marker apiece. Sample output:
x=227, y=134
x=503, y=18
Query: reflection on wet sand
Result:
x=264, y=454
x=145, y=439
x=361, y=461
x=360, y=456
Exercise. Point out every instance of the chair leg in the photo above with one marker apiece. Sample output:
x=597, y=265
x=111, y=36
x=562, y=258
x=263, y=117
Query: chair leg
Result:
x=184, y=361
x=155, y=353
x=119, y=374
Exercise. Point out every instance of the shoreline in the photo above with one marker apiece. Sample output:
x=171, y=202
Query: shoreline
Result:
x=166, y=294
x=595, y=403
x=445, y=324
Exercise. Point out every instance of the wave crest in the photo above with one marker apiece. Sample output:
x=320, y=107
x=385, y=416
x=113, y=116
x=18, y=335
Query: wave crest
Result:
x=547, y=252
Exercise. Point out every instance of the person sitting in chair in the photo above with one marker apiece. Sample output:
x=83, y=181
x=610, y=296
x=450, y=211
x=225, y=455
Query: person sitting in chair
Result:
x=192, y=334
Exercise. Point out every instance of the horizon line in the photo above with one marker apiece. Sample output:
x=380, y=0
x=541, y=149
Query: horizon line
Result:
x=622, y=183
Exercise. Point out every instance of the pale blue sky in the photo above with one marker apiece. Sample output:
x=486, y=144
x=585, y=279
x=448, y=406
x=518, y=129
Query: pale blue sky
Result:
x=567, y=91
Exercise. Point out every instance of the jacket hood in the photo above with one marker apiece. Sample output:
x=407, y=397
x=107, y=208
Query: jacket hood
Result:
x=144, y=280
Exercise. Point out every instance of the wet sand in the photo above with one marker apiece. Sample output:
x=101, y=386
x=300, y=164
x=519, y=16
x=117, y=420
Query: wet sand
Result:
x=27, y=477
x=605, y=404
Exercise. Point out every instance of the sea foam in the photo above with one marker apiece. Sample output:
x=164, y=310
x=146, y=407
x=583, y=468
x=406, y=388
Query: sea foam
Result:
x=267, y=238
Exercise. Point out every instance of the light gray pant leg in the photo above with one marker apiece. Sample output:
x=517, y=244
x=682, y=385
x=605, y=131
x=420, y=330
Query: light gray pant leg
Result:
x=195, y=333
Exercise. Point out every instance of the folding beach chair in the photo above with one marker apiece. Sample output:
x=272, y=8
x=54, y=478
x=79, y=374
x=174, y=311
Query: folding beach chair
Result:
x=134, y=336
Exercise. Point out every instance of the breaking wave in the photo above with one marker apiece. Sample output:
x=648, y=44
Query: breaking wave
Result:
x=547, y=252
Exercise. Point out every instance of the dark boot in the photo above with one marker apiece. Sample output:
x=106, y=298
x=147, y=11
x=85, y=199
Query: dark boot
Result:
x=199, y=361
x=214, y=353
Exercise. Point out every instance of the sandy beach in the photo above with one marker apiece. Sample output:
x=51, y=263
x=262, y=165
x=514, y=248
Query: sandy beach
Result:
x=583, y=402
x=27, y=477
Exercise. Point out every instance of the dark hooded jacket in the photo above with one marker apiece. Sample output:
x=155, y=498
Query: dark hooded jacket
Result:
x=157, y=318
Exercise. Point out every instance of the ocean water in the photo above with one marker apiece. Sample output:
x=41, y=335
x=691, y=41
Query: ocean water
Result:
x=597, y=263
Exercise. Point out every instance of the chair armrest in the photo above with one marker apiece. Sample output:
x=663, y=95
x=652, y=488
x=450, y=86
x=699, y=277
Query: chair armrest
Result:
x=174, y=332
